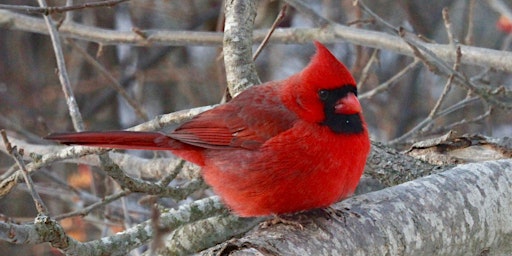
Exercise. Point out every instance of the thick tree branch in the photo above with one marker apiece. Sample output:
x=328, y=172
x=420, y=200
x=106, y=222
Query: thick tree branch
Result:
x=463, y=211
x=237, y=46
x=47, y=230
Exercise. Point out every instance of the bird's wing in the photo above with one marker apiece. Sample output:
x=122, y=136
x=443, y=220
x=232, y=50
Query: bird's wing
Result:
x=247, y=122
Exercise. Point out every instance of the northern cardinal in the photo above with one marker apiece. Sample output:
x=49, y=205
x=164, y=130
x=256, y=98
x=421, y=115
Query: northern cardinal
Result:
x=279, y=147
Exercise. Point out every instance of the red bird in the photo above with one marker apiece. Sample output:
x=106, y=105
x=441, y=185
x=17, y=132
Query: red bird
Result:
x=280, y=147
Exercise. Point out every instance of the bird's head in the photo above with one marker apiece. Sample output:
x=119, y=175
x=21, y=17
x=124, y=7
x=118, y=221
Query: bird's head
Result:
x=325, y=92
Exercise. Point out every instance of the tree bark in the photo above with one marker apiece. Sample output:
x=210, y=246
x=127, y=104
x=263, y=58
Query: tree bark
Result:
x=463, y=211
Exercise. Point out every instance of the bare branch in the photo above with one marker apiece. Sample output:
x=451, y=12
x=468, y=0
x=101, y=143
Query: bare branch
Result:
x=448, y=26
x=459, y=105
x=434, y=112
x=390, y=82
x=138, y=185
x=484, y=57
x=498, y=98
x=16, y=154
x=113, y=82
x=279, y=18
x=300, y=6
x=73, y=109
x=92, y=207
x=366, y=70
x=464, y=121
x=60, y=9
x=468, y=39
x=447, y=86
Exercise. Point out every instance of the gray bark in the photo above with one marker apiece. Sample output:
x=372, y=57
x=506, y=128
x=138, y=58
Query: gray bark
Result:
x=463, y=211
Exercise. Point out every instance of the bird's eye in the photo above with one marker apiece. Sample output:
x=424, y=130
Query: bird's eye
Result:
x=323, y=94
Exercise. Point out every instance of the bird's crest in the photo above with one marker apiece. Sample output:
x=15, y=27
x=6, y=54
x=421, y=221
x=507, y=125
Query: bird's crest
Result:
x=325, y=71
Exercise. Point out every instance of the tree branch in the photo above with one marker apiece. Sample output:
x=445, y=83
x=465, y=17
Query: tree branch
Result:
x=483, y=57
x=47, y=230
x=74, y=111
x=47, y=10
x=464, y=210
x=237, y=45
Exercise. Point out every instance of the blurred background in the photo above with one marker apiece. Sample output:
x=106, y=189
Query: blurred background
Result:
x=164, y=79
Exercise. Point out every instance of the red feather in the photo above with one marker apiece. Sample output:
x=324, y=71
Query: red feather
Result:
x=248, y=121
x=273, y=148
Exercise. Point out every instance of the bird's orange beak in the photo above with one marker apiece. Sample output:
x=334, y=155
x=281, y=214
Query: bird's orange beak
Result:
x=348, y=105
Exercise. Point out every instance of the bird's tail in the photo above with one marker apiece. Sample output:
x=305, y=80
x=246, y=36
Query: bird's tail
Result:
x=132, y=140
x=118, y=139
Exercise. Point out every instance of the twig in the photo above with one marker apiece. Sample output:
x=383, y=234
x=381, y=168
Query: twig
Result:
x=459, y=105
x=127, y=222
x=114, y=84
x=12, y=125
x=172, y=175
x=447, y=86
x=438, y=66
x=74, y=111
x=390, y=82
x=360, y=54
x=138, y=185
x=365, y=74
x=506, y=42
x=68, y=16
x=434, y=112
x=448, y=26
x=85, y=211
x=423, y=124
x=279, y=19
x=361, y=21
x=60, y=182
x=45, y=10
x=420, y=127
x=365, y=8
x=13, y=169
x=17, y=156
x=319, y=20
x=463, y=122
x=468, y=40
